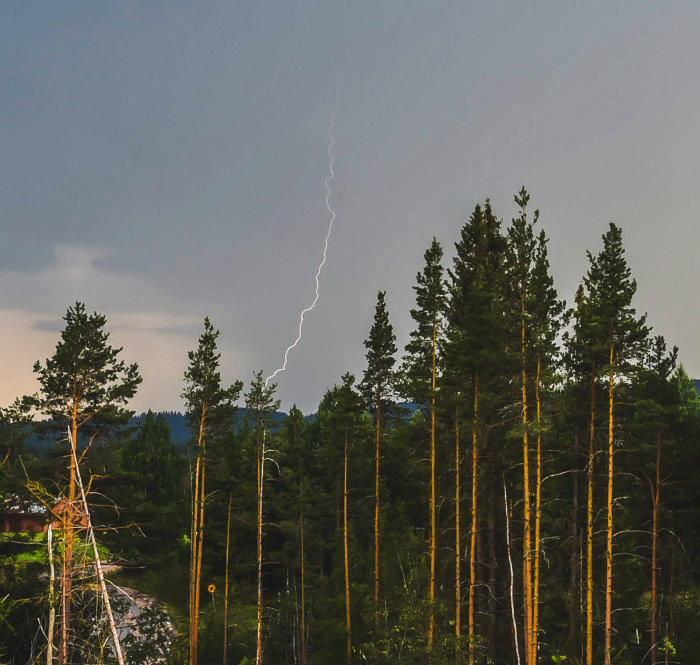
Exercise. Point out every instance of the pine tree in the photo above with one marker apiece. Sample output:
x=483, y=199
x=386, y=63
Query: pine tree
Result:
x=419, y=374
x=210, y=409
x=376, y=387
x=261, y=405
x=475, y=358
x=83, y=386
x=609, y=341
x=546, y=319
x=610, y=285
x=520, y=258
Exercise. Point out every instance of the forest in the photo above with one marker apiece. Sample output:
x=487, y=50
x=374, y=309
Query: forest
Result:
x=517, y=486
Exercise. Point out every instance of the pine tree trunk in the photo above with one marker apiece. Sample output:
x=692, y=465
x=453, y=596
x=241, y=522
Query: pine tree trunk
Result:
x=589, y=528
x=261, y=479
x=433, y=516
x=458, y=531
x=609, y=534
x=228, y=547
x=68, y=525
x=193, y=560
x=376, y=513
x=538, y=517
x=200, y=549
x=474, y=524
x=654, y=555
x=346, y=556
x=195, y=552
x=52, y=592
x=527, y=527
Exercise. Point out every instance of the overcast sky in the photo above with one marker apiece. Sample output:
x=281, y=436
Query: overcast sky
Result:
x=164, y=161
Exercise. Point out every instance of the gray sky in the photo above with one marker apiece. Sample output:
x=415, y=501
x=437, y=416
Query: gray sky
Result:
x=164, y=161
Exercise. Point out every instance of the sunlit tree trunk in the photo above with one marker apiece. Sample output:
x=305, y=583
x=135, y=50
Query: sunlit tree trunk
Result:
x=538, y=517
x=200, y=551
x=68, y=527
x=474, y=525
x=609, y=534
x=527, y=527
x=196, y=550
x=433, y=515
x=376, y=513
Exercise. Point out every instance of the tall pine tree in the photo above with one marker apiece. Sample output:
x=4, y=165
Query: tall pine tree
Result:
x=210, y=408
x=419, y=374
x=376, y=387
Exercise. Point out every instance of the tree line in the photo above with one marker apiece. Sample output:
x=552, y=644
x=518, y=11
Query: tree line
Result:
x=516, y=487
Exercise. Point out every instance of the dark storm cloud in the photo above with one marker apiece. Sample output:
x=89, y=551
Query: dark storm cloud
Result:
x=165, y=161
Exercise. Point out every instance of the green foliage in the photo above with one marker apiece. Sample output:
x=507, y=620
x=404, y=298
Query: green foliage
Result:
x=152, y=456
x=85, y=376
x=207, y=402
x=416, y=373
x=498, y=282
x=377, y=380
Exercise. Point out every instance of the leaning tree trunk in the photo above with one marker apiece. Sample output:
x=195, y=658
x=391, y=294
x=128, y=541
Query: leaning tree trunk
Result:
x=98, y=563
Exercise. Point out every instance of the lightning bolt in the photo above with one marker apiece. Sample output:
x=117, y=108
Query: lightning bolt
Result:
x=326, y=182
